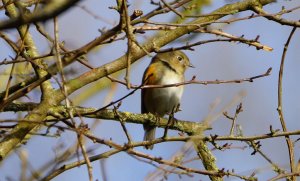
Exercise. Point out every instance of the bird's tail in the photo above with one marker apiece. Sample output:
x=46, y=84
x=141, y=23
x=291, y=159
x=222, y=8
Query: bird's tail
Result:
x=149, y=135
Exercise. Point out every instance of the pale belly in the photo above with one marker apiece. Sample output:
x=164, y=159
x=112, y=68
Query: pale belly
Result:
x=163, y=100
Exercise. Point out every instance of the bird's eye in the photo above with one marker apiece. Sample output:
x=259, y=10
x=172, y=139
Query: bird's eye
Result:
x=179, y=58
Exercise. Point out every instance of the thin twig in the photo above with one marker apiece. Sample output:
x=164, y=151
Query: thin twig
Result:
x=233, y=119
x=122, y=122
x=286, y=175
x=9, y=41
x=194, y=81
x=172, y=9
x=114, y=102
x=276, y=168
x=279, y=108
x=125, y=20
x=86, y=158
x=253, y=42
x=275, y=18
x=251, y=143
x=103, y=169
x=61, y=46
x=23, y=155
x=18, y=52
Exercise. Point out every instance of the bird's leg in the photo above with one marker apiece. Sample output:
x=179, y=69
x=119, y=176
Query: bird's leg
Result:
x=176, y=109
x=171, y=120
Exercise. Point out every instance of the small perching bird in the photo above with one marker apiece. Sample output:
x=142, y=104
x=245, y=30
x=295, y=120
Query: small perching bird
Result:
x=165, y=68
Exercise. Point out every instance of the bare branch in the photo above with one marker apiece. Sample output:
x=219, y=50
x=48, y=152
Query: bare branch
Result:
x=50, y=10
x=279, y=108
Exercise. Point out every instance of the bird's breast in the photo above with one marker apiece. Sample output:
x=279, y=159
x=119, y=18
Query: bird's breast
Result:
x=163, y=100
x=172, y=78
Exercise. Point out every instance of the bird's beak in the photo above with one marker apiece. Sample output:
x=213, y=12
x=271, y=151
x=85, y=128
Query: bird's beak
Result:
x=191, y=65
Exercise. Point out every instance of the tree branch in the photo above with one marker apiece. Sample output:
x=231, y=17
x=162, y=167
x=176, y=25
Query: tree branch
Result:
x=50, y=10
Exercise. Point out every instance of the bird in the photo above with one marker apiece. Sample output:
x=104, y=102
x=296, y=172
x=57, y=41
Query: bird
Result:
x=165, y=68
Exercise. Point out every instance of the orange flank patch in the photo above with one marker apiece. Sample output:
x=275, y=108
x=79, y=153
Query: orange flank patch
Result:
x=150, y=77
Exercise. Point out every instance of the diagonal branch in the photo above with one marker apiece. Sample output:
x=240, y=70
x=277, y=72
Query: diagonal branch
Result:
x=50, y=10
x=275, y=18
